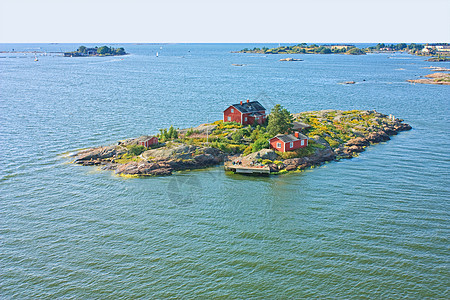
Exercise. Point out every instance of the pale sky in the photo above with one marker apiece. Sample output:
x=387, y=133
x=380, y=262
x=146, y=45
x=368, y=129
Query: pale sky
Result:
x=246, y=21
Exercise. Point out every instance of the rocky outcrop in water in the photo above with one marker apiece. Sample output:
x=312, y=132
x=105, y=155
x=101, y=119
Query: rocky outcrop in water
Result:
x=153, y=162
x=435, y=78
x=291, y=59
x=333, y=135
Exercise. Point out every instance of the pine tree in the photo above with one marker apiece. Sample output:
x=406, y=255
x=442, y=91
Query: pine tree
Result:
x=280, y=121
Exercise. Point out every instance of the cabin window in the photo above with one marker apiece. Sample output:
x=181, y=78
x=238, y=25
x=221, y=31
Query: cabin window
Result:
x=278, y=145
x=246, y=119
x=232, y=110
x=229, y=119
x=291, y=145
x=302, y=143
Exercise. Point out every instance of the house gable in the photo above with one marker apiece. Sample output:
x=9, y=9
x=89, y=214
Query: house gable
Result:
x=289, y=142
x=231, y=114
x=245, y=113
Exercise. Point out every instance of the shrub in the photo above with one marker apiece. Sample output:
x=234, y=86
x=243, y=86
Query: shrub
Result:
x=136, y=150
x=228, y=148
x=315, y=144
x=260, y=144
x=126, y=158
x=331, y=142
x=189, y=132
x=248, y=150
x=302, y=152
x=237, y=136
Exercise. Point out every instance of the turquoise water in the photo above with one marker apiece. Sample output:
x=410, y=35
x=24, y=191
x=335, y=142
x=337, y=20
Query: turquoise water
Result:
x=376, y=226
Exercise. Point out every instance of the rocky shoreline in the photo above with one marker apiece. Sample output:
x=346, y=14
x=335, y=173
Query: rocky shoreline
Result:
x=172, y=156
x=434, y=78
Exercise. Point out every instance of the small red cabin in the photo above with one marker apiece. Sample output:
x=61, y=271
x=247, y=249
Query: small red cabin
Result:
x=245, y=113
x=288, y=142
x=147, y=141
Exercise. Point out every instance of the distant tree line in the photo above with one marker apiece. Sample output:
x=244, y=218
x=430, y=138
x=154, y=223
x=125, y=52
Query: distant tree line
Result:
x=304, y=48
x=413, y=47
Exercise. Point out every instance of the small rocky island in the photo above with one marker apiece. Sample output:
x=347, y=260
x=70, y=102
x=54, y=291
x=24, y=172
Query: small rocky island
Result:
x=434, y=78
x=96, y=51
x=439, y=59
x=291, y=59
x=331, y=135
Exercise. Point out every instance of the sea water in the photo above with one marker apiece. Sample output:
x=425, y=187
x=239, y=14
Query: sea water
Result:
x=376, y=226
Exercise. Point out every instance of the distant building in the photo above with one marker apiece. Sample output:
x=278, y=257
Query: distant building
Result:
x=148, y=141
x=245, y=113
x=87, y=52
x=91, y=51
x=338, y=47
x=288, y=142
x=299, y=126
x=442, y=47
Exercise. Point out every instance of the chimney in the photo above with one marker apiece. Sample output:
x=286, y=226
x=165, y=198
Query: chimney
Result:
x=248, y=100
x=241, y=102
x=296, y=134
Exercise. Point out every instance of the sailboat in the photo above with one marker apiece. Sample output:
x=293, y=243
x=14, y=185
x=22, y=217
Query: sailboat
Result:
x=156, y=54
x=35, y=57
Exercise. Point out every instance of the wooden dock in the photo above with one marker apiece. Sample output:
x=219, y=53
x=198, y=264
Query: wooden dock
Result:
x=250, y=170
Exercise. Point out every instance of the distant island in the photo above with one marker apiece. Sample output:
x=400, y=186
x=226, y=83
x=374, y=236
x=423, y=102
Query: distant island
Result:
x=96, y=51
x=261, y=147
x=439, y=58
x=442, y=50
x=306, y=49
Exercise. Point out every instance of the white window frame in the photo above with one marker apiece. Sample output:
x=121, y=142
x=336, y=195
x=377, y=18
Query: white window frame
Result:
x=302, y=143
x=291, y=145
x=232, y=110
x=229, y=119
x=278, y=145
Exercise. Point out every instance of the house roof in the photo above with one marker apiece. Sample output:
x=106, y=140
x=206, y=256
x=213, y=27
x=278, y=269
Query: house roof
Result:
x=145, y=138
x=249, y=107
x=299, y=125
x=286, y=138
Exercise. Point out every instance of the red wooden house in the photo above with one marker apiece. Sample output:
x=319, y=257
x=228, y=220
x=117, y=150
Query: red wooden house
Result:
x=245, y=113
x=288, y=142
x=147, y=141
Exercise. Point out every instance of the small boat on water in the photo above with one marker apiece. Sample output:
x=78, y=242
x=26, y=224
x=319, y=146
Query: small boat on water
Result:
x=35, y=57
x=156, y=54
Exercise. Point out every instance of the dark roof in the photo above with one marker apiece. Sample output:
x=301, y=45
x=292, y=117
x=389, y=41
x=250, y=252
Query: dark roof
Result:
x=299, y=125
x=290, y=137
x=144, y=138
x=250, y=107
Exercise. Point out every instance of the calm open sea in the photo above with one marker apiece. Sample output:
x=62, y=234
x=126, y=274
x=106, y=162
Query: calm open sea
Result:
x=376, y=226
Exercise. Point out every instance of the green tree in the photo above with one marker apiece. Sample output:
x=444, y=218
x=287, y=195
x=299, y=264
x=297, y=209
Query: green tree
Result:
x=120, y=51
x=356, y=51
x=280, y=121
x=82, y=49
x=172, y=133
x=325, y=51
x=103, y=50
x=163, y=135
x=401, y=46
